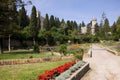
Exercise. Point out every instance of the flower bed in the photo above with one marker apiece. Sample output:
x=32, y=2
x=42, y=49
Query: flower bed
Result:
x=51, y=74
x=65, y=75
x=64, y=72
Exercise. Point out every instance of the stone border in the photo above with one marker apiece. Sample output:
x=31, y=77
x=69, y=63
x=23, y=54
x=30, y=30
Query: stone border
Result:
x=32, y=60
x=79, y=73
x=112, y=51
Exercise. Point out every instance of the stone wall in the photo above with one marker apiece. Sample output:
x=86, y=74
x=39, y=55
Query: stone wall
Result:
x=79, y=73
x=32, y=60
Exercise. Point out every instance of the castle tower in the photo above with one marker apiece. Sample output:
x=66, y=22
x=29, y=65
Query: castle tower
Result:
x=94, y=21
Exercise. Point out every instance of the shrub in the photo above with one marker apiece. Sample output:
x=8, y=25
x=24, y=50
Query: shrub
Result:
x=36, y=48
x=63, y=49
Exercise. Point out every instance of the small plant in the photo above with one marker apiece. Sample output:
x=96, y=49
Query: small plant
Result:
x=63, y=49
x=36, y=48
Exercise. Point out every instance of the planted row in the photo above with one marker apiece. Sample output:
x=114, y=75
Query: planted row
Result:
x=68, y=72
x=51, y=74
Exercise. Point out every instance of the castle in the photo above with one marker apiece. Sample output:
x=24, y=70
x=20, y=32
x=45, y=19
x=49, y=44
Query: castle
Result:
x=92, y=27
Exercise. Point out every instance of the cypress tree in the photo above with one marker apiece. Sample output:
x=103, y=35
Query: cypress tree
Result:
x=106, y=26
x=46, y=22
x=23, y=19
x=33, y=24
x=118, y=26
x=52, y=21
x=113, y=28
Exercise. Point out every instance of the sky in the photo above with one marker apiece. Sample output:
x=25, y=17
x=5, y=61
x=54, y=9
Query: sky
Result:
x=78, y=10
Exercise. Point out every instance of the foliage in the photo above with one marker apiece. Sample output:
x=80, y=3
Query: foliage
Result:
x=33, y=24
x=63, y=49
x=23, y=19
x=46, y=23
x=118, y=27
x=36, y=48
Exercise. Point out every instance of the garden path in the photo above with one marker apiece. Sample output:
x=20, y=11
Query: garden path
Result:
x=104, y=65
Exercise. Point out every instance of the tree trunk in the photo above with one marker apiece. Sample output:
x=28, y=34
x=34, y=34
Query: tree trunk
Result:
x=1, y=49
x=9, y=45
x=47, y=41
x=34, y=42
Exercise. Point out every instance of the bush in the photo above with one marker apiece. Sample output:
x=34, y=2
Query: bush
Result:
x=36, y=48
x=63, y=49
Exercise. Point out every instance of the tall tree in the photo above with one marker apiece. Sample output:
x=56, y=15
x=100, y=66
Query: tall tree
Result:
x=106, y=28
x=75, y=26
x=52, y=21
x=38, y=21
x=83, y=24
x=8, y=16
x=80, y=27
x=33, y=24
x=118, y=26
x=57, y=22
x=97, y=29
x=46, y=22
x=89, y=25
x=113, y=28
x=23, y=18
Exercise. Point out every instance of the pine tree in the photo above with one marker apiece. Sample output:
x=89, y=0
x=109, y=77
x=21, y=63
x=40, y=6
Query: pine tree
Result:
x=118, y=26
x=46, y=23
x=33, y=24
x=79, y=27
x=52, y=21
x=83, y=24
x=97, y=29
x=75, y=26
x=8, y=21
x=113, y=28
x=57, y=22
x=23, y=18
x=39, y=21
x=106, y=28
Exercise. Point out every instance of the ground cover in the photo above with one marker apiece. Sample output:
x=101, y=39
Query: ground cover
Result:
x=27, y=71
x=23, y=55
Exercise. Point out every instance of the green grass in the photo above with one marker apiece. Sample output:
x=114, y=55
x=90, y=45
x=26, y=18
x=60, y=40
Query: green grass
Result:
x=27, y=71
x=22, y=55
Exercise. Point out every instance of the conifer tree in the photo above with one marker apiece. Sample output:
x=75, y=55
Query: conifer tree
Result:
x=33, y=24
x=23, y=18
x=52, y=21
x=118, y=26
x=46, y=23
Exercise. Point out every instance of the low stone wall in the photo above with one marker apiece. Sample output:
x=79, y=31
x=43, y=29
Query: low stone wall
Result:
x=79, y=73
x=112, y=51
x=32, y=60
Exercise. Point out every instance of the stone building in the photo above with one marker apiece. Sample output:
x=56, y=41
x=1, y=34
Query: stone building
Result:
x=94, y=21
x=92, y=25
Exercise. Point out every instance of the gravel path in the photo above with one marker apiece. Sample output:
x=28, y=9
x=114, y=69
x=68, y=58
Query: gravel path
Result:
x=104, y=65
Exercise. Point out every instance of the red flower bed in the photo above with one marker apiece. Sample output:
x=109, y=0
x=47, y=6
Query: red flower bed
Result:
x=49, y=74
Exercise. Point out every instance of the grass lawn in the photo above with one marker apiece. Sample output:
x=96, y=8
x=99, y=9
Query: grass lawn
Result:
x=27, y=71
x=23, y=55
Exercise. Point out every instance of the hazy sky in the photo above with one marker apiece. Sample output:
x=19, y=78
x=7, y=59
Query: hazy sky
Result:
x=78, y=10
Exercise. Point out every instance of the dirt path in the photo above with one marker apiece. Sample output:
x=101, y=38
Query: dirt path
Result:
x=104, y=65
